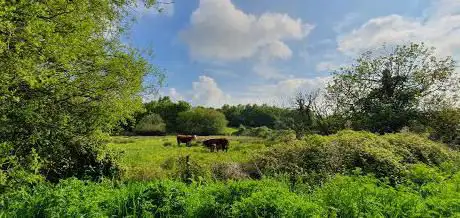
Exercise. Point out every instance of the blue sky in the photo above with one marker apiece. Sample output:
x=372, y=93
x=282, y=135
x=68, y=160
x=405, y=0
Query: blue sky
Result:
x=263, y=51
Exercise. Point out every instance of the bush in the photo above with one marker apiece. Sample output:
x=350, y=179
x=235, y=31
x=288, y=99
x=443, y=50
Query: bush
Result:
x=151, y=124
x=17, y=172
x=319, y=157
x=226, y=171
x=275, y=203
x=445, y=126
x=202, y=121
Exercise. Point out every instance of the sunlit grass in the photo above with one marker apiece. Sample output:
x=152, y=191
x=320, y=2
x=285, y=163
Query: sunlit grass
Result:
x=143, y=157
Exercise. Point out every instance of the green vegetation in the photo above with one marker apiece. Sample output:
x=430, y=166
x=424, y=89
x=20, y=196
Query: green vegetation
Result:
x=66, y=83
x=384, y=93
x=383, y=142
x=168, y=110
x=202, y=121
x=151, y=124
x=341, y=196
x=147, y=158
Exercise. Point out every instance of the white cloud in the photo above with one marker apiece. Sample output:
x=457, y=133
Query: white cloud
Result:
x=267, y=71
x=174, y=95
x=219, y=30
x=279, y=93
x=275, y=50
x=439, y=27
x=206, y=92
x=327, y=66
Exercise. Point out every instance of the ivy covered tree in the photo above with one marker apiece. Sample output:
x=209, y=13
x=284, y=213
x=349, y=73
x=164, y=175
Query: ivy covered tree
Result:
x=383, y=93
x=66, y=79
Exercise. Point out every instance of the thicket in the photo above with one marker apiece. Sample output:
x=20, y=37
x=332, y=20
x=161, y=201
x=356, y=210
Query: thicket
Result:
x=424, y=195
x=388, y=157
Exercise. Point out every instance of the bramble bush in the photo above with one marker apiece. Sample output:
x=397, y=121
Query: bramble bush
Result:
x=387, y=157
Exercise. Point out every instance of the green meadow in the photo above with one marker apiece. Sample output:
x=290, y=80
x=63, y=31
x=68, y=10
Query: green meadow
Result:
x=147, y=158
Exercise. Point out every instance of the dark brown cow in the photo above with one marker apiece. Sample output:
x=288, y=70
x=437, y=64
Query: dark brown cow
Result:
x=185, y=139
x=216, y=144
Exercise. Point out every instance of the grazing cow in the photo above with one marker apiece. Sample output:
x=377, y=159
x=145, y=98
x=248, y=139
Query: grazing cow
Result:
x=185, y=139
x=216, y=144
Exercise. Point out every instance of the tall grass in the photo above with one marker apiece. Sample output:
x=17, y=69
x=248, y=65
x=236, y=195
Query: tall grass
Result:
x=342, y=196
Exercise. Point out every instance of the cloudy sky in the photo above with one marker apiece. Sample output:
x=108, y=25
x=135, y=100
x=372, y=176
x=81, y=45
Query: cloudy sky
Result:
x=262, y=51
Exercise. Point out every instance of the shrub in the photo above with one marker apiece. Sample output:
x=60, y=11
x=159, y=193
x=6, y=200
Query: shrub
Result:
x=202, y=121
x=164, y=199
x=445, y=126
x=359, y=196
x=17, y=172
x=151, y=124
x=226, y=171
x=318, y=157
x=275, y=203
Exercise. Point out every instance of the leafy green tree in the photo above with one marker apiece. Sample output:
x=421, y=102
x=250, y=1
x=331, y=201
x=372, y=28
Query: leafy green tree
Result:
x=445, y=125
x=168, y=110
x=253, y=115
x=151, y=124
x=383, y=93
x=202, y=121
x=66, y=80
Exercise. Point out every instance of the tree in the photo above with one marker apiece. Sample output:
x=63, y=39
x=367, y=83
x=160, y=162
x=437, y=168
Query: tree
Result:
x=445, y=125
x=168, y=110
x=202, y=121
x=383, y=93
x=301, y=118
x=253, y=115
x=66, y=80
x=151, y=124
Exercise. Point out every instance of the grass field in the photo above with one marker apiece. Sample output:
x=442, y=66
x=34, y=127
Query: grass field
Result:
x=146, y=158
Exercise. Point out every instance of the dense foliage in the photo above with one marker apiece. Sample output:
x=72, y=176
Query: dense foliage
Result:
x=253, y=115
x=66, y=79
x=201, y=121
x=387, y=157
x=425, y=195
x=168, y=110
x=151, y=124
x=385, y=92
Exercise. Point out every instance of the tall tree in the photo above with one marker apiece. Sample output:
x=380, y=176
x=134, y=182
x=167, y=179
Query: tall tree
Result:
x=301, y=118
x=66, y=80
x=168, y=110
x=383, y=92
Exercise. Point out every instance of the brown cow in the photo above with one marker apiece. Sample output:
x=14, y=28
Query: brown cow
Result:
x=216, y=144
x=185, y=139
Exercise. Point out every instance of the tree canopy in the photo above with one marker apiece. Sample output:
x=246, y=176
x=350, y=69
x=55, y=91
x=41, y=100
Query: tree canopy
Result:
x=66, y=78
x=201, y=121
x=383, y=92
